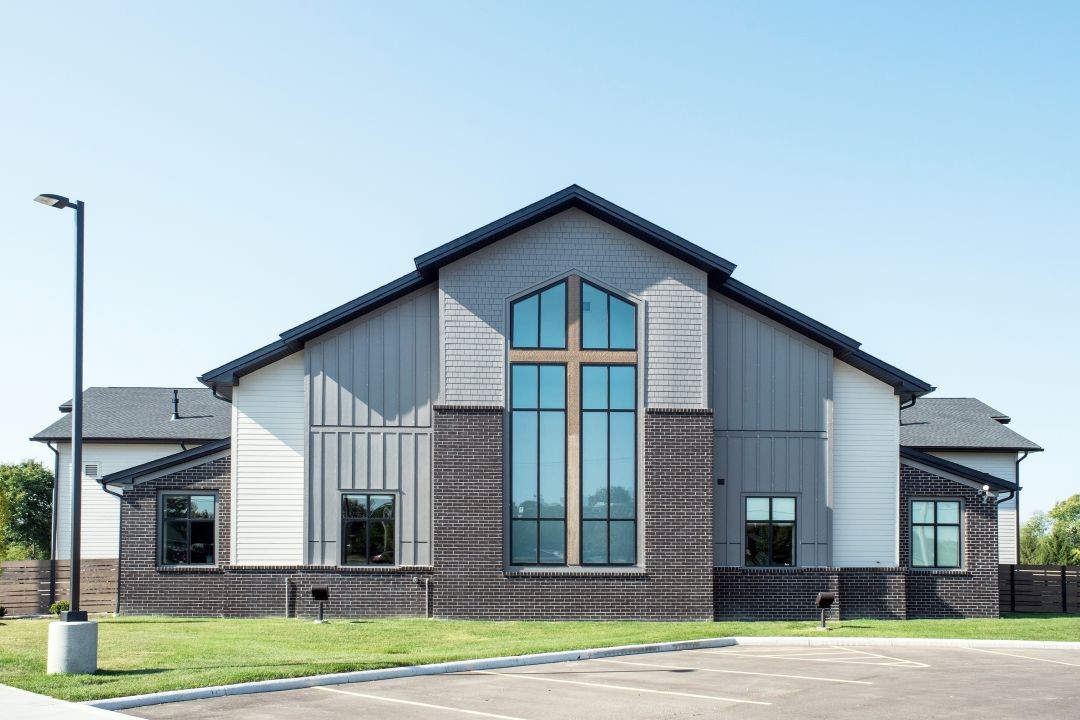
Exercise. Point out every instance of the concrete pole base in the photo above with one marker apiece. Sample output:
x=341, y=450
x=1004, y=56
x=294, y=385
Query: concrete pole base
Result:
x=72, y=648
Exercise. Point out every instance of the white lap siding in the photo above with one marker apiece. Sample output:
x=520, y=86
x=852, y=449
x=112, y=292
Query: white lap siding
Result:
x=1002, y=465
x=268, y=465
x=865, y=469
x=100, y=511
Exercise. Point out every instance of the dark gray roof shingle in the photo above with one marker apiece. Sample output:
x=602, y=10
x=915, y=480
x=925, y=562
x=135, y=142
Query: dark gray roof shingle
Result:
x=959, y=424
x=143, y=413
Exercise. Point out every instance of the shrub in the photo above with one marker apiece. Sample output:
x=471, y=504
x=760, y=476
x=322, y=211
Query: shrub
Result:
x=59, y=606
x=3, y=611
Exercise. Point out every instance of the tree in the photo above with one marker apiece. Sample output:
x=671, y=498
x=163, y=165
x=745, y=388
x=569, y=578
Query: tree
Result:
x=1066, y=518
x=1032, y=533
x=26, y=526
x=1056, y=549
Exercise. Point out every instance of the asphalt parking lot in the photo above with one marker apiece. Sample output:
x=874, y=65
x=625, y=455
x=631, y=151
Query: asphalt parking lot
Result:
x=743, y=681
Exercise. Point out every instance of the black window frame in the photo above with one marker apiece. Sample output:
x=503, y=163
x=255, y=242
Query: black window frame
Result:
x=510, y=452
x=346, y=520
x=539, y=317
x=163, y=520
x=608, y=296
x=959, y=525
x=607, y=519
x=794, y=523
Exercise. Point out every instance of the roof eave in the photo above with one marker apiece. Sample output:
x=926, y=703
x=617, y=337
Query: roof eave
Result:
x=952, y=468
x=574, y=197
x=133, y=473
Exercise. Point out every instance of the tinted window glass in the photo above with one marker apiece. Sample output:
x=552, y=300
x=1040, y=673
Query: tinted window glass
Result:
x=623, y=325
x=594, y=387
x=594, y=317
x=622, y=387
x=553, y=317
x=552, y=387
x=524, y=386
x=525, y=319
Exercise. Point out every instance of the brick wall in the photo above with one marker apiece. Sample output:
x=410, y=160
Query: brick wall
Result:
x=971, y=591
x=233, y=591
x=879, y=592
x=470, y=580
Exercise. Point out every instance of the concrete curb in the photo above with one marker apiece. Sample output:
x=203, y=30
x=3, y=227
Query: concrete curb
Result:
x=170, y=696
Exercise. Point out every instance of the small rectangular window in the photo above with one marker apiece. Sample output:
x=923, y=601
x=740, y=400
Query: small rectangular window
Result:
x=367, y=529
x=935, y=533
x=770, y=531
x=188, y=529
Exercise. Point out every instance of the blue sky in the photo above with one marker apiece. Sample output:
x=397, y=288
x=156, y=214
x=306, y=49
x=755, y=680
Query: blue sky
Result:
x=907, y=173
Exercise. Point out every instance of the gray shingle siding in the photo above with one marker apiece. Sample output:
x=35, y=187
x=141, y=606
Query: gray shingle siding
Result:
x=474, y=291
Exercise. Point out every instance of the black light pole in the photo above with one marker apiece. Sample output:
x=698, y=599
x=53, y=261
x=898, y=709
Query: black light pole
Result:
x=60, y=202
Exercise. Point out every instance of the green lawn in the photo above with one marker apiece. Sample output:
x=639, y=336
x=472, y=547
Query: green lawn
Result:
x=140, y=655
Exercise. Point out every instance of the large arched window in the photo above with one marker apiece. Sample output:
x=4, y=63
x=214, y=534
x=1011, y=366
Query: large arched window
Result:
x=573, y=426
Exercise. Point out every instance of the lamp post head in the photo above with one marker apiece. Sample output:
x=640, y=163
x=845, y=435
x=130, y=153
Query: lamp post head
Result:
x=56, y=201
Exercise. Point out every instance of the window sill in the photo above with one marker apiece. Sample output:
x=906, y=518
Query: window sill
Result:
x=632, y=571
x=189, y=569
x=941, y=571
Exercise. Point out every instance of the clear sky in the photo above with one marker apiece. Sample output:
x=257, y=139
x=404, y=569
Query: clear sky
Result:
x=908, y=173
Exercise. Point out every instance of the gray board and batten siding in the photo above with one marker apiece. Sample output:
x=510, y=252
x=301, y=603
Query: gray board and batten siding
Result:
x=770, y=390
x=371, y=385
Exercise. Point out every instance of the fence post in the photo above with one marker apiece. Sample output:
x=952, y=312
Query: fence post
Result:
x=1012, y=587
x=1064, y=589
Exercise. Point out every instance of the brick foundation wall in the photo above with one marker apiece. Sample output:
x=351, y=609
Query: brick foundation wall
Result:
x=470, y=580
x=238, y=591
x=972, y=591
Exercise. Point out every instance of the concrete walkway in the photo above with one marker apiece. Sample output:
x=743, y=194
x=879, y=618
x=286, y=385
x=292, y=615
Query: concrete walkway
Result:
x=31, y=706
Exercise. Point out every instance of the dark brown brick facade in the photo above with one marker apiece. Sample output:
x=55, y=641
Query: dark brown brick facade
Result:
x=469, y=579
x=676, y=491
x=887, y=593
x=972, y=591
x=228, y=591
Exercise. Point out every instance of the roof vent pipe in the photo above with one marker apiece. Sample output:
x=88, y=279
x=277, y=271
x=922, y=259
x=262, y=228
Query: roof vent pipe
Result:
x=175, y=405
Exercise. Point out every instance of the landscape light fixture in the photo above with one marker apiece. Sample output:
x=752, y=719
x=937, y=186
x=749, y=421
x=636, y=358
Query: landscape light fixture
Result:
x=823, y=602
x=321, y=594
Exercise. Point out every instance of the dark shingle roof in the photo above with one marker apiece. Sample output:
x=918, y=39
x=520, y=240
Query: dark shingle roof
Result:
x=959, y=424
x=132, y=474
x=143, y=413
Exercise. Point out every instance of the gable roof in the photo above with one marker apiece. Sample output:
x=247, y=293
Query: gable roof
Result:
x=718, y=270
x=143, y=414
x=132, y=474
x=959, y=424
x=951, y=468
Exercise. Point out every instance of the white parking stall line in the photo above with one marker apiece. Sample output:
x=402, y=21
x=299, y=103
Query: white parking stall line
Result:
x=415, y=703
x=870, y=659
x=733, y=672
x=1026, y=657
x=624, y=688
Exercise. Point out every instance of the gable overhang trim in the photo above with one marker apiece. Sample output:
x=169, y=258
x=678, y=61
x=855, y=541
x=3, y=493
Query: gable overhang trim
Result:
x=169, y=464
x=953, y=471
x=845, y=348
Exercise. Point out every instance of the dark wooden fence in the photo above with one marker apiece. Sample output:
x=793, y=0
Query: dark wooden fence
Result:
x=26, y=586
x=1039, y=588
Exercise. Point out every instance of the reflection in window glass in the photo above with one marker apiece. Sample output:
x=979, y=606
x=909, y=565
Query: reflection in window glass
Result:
x=594, y=322
x=770, y=531
x=539, y=320
x=607, y=322
x=367, y=529
x=935, y=533
x=187, y=530
x=608, y=465
x=538, y=464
